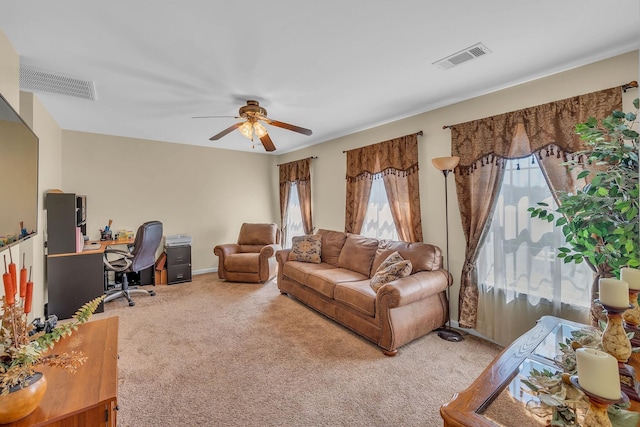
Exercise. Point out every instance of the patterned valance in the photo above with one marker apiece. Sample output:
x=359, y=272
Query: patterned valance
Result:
x=544, y=129
x=549, y=150
x=296, y=171
x=396, y=156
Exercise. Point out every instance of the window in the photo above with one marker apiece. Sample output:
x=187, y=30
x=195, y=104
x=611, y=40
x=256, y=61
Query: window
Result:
x=378, y=221
x=519, y=255
x=294, y=216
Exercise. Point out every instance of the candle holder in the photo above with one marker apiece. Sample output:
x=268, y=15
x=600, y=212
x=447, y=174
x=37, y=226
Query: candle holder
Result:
x=632, y=317
x=597, y=415
x=616, y=342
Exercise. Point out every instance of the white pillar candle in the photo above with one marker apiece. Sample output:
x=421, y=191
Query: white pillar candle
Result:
x=631, y=276
x=614, y=293
x=598, y=373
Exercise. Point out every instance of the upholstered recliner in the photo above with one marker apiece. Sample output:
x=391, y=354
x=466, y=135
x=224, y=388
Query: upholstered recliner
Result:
x=252, y=259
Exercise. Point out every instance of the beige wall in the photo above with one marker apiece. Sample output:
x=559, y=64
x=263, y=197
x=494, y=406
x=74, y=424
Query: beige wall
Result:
x=201, y=191
x=328, y=170
x=49, y=165
x=49, y=176
x=9, y=72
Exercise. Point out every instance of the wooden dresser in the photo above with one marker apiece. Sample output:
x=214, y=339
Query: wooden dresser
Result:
x=88, y=397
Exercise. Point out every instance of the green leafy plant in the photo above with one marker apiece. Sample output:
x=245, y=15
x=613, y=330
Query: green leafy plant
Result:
x=600, y=221
x=20, y=352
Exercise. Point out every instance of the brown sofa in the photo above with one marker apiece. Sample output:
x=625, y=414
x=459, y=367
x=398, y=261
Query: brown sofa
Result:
x=339, y=287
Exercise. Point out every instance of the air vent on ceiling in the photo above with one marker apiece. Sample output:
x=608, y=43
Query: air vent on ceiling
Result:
x=33, y=79
x=464, y=55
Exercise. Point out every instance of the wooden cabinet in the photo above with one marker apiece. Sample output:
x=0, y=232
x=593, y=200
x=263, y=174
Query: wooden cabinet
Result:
x=88, y=397
x=178, y=264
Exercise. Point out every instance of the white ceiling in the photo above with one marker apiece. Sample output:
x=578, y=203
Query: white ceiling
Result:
x=333, y=66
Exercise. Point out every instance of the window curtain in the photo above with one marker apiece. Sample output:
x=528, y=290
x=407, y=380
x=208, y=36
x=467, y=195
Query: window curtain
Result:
x=396, y=162
x=298, y=172
x=548, y=131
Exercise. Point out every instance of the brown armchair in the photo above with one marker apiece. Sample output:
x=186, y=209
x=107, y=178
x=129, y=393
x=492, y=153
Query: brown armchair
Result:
x=252, y=259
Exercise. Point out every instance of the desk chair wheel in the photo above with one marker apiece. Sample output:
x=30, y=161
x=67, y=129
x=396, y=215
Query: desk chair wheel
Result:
x=152, y=293
x=131, y=303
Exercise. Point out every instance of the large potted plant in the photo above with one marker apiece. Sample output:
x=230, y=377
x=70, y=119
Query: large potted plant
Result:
x=600, y=221
x=21, y=350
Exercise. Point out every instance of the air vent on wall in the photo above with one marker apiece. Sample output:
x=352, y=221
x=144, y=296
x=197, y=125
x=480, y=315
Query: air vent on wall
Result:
x=464, y=55
x=33, y=79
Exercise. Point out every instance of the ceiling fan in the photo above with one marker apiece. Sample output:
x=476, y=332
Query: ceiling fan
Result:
x=254, y=114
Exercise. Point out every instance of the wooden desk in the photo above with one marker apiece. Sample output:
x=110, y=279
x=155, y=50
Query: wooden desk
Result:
x=468, y=408
x=75, y=278
x=88, y=397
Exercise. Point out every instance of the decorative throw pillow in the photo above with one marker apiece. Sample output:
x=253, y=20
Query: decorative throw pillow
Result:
x=306, y=248
x=392, y=268
x=393, y=258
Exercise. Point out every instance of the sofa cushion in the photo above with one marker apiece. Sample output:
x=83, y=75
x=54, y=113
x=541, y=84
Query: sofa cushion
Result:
x=393, y=258
x=245, y=262
x=390, y=271
x=306, y=248
x=357, y=295
x=423, y=256
x=258, y=234
x=298, y=270
x=332, y=243
x=324, y=280
x=357, y=254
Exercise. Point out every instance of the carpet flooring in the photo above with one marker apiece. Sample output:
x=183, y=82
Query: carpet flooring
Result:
x=212, y=353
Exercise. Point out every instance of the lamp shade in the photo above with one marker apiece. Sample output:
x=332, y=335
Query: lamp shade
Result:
x=246, y=129
x=445, y=163
x=259, y=130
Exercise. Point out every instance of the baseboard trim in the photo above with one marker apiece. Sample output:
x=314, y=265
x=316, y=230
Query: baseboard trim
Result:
x=456, y=325
x=204, y=271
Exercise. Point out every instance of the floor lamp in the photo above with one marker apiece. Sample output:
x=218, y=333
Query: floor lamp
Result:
x=446, y=165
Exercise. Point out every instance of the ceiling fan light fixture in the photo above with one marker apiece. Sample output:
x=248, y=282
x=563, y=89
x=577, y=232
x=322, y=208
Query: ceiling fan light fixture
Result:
x=246, y=130
x=259, y=129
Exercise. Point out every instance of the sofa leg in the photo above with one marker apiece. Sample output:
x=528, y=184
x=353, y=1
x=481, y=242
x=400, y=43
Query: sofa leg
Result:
x=390, y=353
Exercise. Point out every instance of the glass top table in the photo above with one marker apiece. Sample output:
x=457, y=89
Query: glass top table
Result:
x=498, y=397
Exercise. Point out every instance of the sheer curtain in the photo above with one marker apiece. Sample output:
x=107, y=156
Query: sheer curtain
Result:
x=520, y=275
x=293, y=223
x=378, y=222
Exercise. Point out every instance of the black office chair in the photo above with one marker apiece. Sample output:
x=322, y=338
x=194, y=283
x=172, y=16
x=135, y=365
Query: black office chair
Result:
x=141, y=257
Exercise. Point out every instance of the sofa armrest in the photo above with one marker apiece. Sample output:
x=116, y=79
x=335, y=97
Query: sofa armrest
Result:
x=413, y=288
x=269, y=250
x=222, y=251
x=282, y=256
x=226, y=249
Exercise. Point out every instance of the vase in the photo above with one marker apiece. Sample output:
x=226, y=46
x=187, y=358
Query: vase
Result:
x=22, y=400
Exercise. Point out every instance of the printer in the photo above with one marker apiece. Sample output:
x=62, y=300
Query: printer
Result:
x=177, y=240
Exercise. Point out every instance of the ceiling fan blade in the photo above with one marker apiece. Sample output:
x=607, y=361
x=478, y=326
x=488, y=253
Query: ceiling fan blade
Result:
x=213, y=117
x=225, y=132
x=267, y=143
x=289, y=127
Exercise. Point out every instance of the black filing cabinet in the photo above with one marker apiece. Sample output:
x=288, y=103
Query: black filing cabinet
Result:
x=178, y=264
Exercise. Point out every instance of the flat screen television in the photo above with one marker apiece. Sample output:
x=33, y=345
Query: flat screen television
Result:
x=18, y=178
